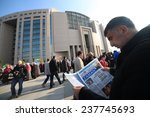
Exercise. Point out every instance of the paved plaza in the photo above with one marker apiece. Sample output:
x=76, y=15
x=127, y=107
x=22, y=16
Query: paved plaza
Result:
x=34, y=91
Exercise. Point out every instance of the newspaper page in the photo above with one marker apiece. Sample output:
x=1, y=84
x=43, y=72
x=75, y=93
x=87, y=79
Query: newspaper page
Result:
x=74, y=79
x=93, y=77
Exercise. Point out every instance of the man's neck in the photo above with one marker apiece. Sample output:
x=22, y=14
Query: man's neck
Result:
x=129, y=37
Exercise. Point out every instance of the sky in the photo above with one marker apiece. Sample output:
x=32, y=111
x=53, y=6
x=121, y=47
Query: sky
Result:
x=101, y=10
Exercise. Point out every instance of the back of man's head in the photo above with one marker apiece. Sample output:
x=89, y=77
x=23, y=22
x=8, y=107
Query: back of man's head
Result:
x=79, y=53
x=117, y=21
x=47, y=59
x=53, y=57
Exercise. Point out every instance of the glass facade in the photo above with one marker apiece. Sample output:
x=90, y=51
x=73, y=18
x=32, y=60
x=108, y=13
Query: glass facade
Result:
x=51, y=37
x=43, y=40
x=26, y=41
x=76, y=19
x=36, y=39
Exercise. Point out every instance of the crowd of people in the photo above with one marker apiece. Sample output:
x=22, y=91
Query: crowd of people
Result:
x=26, y=71
x=18, y=73
x=33, y=71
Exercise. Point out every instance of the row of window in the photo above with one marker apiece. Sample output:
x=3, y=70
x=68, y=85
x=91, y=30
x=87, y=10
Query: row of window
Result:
x=34, y=42
x=35, y=55
x=75, y=20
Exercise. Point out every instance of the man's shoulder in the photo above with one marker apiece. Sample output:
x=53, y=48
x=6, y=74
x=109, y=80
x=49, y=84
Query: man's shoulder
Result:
x=76, y=59
x=143, y=46
x=140, y=54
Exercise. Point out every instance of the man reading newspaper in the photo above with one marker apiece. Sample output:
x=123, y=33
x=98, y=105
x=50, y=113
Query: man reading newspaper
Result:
x=132, y=75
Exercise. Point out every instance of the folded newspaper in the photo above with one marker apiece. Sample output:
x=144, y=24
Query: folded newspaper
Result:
x=93, y=77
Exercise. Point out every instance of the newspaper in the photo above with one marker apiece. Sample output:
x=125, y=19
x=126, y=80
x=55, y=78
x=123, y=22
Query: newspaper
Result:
x=93, y=77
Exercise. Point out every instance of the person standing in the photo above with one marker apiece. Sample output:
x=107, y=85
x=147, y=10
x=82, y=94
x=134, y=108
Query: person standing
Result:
x=103, y=61
x=65, y=67
x=5, y=74
x=28, y=67
x=54, y=71
x=47, y=72
x=78, y=62
x=89, y=58
x=19, y=73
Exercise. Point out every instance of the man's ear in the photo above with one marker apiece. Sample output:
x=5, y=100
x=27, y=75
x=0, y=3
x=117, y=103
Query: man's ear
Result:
x=123, y=29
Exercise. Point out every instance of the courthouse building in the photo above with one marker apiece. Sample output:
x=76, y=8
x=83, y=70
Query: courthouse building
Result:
x=43, y=33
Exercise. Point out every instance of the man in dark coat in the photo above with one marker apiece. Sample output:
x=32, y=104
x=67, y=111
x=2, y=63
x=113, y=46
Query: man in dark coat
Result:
x=132, y=75
x=54, y=71
x=65, y=68
x=19, y=73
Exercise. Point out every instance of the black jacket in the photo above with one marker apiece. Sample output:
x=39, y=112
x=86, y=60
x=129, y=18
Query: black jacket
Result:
x=53, y=66
x=132, y=76
x=64, y=66
x=19, y=71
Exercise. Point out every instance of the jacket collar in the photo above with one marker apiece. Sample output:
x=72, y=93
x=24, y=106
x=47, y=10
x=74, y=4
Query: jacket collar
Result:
x=141, y=36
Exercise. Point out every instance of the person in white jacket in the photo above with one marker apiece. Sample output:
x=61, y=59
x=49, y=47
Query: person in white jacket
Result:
x=78, y=63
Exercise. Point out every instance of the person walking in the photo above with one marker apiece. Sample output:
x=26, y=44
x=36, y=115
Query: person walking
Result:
x=54, y=71
x=47, y=72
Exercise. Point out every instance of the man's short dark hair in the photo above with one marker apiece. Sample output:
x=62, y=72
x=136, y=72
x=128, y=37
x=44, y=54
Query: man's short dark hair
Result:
x=117, y=21
x=79, y=52
x=47, y=59
x=64, y=57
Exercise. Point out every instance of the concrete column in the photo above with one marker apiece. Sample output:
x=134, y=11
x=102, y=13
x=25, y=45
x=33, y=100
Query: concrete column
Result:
x=16, y=43
x=73, y=49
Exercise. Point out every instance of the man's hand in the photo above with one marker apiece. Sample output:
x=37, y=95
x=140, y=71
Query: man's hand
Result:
x=76, y=90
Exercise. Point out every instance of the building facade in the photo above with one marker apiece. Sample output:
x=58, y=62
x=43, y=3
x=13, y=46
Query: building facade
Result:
x=43, y=33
